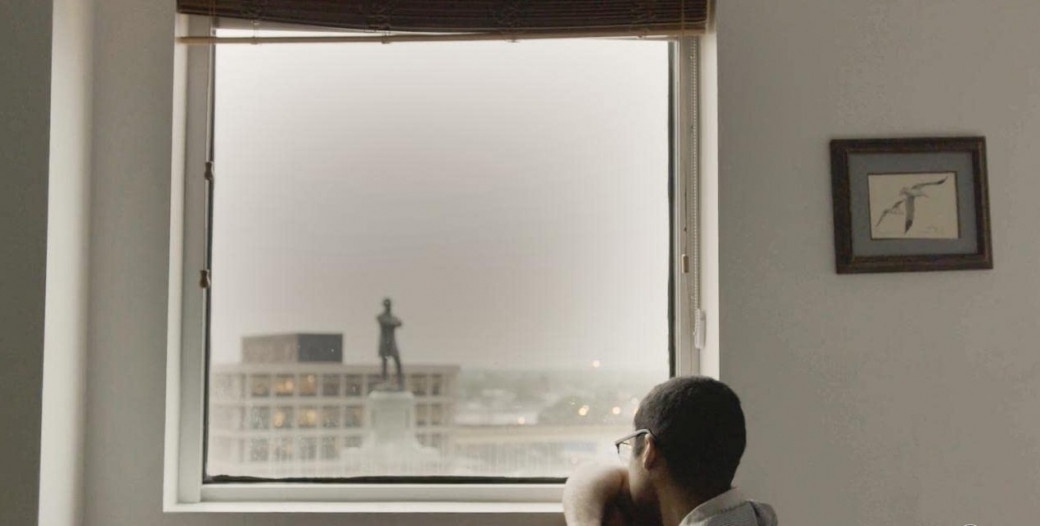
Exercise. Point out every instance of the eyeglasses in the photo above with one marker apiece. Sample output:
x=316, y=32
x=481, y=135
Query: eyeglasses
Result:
x=625, y=444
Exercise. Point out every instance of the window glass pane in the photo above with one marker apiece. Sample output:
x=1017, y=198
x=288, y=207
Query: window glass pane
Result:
x=330, y=416
x=308, y=384
x=258, y=450
x=284, y=384
x=282, y=418
x=260, y=385
x=259, y=418
x=308, y=417
x=308, y=448
x=353, y=385
x=329, y=451
x=511, y=200
x=355, y=416
x=330, y=385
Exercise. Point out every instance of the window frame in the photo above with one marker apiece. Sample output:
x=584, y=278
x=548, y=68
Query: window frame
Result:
x=187, y=406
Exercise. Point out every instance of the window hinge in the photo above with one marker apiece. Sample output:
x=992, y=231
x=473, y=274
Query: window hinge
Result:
x=204, y=279
x=685, y=264
x=209, y=171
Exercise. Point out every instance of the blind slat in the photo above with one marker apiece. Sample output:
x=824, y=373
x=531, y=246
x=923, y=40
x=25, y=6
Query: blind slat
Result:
x=471, y=16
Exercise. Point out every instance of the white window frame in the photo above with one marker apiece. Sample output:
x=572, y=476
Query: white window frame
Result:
x=183, y=469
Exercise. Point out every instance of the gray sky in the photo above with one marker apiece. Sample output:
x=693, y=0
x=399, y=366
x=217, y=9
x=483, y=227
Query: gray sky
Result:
x=510, y=197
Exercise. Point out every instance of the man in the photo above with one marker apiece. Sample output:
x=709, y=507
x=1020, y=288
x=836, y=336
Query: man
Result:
x=679, y=468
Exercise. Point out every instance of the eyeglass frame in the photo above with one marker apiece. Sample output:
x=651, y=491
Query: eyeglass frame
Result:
x=624, y=440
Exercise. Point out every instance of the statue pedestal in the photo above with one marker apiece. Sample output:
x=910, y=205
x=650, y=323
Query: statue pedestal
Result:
x=390, y=447
x=390, y=416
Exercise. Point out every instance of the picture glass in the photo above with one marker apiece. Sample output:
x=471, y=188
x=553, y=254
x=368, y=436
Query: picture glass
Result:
x=913, y=205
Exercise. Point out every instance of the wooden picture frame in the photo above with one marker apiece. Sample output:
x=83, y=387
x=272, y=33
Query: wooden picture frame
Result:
x=909, y=205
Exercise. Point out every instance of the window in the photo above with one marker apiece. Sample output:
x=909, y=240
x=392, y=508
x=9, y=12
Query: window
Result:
x=330, y=417
x=260, y=385
x=353, y=385
x=308, y=385
x=330, y=385
x=258, y=451
x=525, y=238
x=354, y=416
x=284, y=385
x=260, y=418
x=282, y=418
x=329, y=451
x=308, y=417
x=308, y=448
x=417, y=385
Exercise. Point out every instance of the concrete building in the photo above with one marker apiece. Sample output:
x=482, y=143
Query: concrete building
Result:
x=292, y=406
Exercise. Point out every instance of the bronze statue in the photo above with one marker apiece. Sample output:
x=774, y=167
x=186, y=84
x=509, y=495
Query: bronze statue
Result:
x=388, y=323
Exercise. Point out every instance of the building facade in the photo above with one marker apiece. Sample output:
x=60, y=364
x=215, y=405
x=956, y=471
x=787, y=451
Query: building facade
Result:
x=292, y=407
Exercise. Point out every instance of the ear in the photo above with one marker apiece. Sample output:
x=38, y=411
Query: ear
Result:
x=650, y=455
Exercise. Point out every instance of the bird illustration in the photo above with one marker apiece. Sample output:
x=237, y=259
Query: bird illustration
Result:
x=908, y=196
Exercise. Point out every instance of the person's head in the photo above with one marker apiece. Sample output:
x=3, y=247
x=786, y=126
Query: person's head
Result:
x=696, y=426
x=386, y=304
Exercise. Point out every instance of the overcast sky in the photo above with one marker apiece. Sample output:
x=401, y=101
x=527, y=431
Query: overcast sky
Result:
x=510, y=197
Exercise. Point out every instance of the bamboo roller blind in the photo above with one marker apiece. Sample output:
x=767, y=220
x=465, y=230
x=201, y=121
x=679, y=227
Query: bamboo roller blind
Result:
x=508, y=18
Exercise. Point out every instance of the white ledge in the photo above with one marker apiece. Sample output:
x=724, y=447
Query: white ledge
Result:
x=402, y=508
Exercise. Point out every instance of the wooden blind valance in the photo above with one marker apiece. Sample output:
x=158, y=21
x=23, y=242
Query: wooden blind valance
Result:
x=508, y=18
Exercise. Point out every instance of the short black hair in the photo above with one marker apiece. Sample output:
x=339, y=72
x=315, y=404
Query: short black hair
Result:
x=698, y=426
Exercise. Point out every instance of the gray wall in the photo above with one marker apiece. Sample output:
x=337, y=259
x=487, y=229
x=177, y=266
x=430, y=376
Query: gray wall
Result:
x=902, y=399
x=25, y=70
x=879, y=399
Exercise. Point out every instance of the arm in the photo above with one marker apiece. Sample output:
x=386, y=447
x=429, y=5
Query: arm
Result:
x=596, y=495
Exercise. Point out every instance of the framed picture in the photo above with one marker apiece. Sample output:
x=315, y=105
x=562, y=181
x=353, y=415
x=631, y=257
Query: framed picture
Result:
x=904, y=205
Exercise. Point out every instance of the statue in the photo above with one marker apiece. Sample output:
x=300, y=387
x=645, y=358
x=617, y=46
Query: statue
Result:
x=388, y=323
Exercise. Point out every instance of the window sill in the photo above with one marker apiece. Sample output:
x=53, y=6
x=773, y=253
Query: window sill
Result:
x=405, y=499
x=401, y=508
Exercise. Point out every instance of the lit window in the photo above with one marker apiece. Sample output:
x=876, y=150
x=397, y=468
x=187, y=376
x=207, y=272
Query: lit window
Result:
x=284, y=385
x=307, y=417
x=308, y=385
x=282, y=418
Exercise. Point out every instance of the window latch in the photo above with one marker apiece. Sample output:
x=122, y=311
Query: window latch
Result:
x=204, y=279
x=700, y=329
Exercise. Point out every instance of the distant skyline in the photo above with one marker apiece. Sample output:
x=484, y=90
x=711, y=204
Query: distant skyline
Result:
x=511, y=198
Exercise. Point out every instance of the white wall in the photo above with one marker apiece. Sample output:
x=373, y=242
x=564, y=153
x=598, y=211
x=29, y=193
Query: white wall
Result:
x=879, y=399
x=25, y=71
